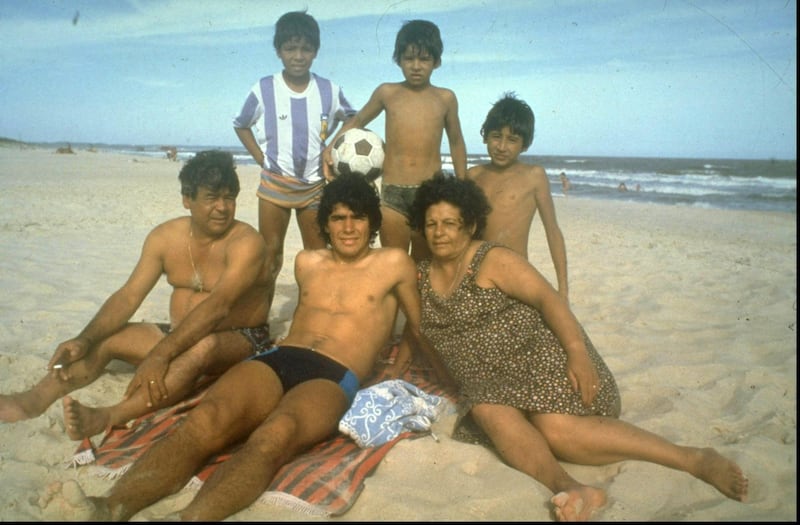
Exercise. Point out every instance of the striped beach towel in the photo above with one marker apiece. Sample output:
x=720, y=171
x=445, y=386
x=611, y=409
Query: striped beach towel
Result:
x=324, y=481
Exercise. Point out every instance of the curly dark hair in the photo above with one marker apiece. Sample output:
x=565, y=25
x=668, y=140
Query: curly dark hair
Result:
x=461, y=193
x=212, y=169
x=356, y=193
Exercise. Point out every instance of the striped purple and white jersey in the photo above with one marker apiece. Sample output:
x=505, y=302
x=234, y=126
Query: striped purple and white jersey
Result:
x=292, y=127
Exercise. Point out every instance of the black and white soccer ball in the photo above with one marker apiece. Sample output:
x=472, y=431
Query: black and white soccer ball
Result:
x=359, y=151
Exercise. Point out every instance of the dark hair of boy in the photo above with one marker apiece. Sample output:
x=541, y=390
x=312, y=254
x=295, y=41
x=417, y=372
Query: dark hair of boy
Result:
x=514, y=113
x=296, y=24
x=421, y=35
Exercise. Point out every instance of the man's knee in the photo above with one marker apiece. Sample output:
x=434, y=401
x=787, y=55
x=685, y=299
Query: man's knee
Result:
x=209, y=425
x=278, y=429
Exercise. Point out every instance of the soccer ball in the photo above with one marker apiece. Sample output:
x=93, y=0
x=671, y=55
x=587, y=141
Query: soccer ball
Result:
x=358, y=151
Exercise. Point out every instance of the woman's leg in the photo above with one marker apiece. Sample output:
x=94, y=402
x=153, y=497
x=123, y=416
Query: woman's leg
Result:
x=523, y=447
x=597, y=440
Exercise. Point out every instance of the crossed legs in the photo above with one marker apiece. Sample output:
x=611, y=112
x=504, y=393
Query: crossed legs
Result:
x=212, y=355
x=246, y=401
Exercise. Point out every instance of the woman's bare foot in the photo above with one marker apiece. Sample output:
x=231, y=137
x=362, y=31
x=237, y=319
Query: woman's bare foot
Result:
x=721, y=473
x=578, y=504
x=82, y=421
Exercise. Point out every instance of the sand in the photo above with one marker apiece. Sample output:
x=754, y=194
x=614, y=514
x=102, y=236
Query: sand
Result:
x=694, y=311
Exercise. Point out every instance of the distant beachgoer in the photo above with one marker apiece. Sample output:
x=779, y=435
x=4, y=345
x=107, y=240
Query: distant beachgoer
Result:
x=416, y=113
x=528, y=373
x=217, y=268
x=622, y=187
x=516, y=190
x=296, y=112
x=638, y=187
x=565, y=184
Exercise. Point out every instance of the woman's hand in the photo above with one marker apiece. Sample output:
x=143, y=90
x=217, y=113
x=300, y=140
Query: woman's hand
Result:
x=583, y=376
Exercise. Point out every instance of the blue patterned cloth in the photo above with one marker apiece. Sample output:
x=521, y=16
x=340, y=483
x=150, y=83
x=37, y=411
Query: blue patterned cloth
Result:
x=383, y=411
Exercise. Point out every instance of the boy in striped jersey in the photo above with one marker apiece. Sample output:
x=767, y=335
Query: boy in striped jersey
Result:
x=293, y=112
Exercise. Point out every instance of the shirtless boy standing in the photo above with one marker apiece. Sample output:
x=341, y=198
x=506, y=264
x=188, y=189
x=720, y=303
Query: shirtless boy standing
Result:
x=417, y=113
x=285, y=400
x=220, y=278
x=516, y=190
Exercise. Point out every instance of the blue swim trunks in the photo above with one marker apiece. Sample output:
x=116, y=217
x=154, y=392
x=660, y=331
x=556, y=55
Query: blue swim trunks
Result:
x=295, y=365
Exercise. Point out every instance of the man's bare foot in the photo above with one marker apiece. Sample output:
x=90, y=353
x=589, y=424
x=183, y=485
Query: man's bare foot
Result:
x=721, y=473
x=67, y=502
x=82, y=421
x=16, y=407
x=578, y=504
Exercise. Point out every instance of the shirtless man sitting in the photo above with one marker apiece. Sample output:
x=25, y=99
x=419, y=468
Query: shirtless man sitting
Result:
x=287, y=399
x=218, y=310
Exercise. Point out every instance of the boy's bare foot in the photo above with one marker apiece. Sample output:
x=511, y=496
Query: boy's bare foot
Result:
x=578, y=504
x=82, y=421
x=721, y=473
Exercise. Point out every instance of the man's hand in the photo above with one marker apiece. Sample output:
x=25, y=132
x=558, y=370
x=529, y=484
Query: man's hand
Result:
x=150, y=375
x=67, y=353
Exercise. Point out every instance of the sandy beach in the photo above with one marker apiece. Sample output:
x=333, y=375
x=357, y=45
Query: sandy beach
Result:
x=694, y=311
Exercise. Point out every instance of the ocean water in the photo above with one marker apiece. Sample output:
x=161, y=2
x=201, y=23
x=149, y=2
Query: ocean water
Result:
x=764, y=185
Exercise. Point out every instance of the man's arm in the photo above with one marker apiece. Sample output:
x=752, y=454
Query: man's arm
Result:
x=452, y=126
x=120, y=306
x=555, y=239
x=244, y=258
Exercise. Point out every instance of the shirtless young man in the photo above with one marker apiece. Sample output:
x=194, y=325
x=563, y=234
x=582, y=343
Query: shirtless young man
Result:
x=516, y=190
x=289, y=398
x=218, y=310
x=416, y=113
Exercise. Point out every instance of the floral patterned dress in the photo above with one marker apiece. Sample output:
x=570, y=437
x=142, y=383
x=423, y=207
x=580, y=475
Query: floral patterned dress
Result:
x=500, y=350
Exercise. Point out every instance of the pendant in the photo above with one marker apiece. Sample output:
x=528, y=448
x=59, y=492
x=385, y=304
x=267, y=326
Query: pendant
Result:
x=197, y=283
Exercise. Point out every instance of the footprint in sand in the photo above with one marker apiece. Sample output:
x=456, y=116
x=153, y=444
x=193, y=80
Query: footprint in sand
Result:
x=65, y=502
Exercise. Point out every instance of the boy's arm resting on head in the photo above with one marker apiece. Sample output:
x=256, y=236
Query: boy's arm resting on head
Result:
x=244, y=256
x=555, y=238
x=455, y=137
x=249, y=142
x=120, y=306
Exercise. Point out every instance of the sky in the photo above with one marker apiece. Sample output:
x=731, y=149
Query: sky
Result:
x=616, y=78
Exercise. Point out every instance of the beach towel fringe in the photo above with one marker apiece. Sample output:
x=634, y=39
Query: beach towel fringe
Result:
x=84, y=457
x=294, y=503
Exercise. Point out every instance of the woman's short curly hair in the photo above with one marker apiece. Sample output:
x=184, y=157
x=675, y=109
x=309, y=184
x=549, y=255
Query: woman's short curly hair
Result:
x=464, y=194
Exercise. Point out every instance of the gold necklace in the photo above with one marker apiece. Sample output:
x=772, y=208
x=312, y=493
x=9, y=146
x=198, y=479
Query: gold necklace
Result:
x=197, y=279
